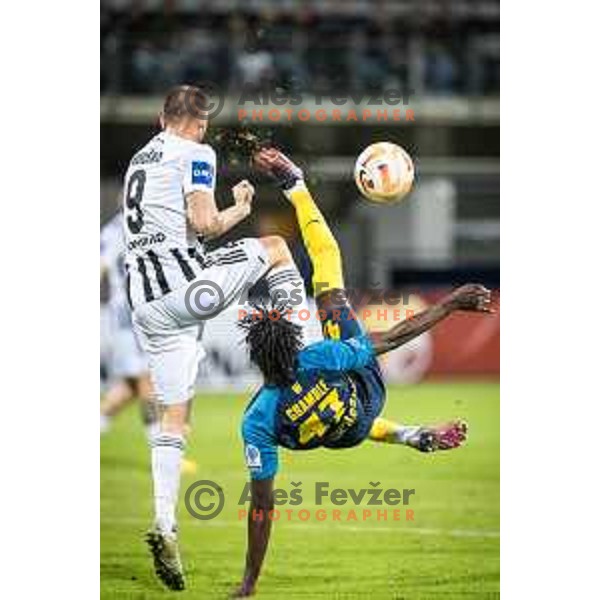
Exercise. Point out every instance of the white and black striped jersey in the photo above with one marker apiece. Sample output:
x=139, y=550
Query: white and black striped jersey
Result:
x=162, y=250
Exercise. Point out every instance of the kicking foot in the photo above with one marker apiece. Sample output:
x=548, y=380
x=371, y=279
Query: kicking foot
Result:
x=167, y=562
x=446, y=436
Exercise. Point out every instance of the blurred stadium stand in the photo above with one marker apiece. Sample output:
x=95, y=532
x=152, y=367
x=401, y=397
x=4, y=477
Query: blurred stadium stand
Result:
x=441, y=48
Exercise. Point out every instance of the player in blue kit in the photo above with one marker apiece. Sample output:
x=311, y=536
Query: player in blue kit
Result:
x=330, y=393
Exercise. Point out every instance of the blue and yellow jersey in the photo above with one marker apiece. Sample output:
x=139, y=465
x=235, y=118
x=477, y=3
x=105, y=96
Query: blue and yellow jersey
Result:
x=337, y=394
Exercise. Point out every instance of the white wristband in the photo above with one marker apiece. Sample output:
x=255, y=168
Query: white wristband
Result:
x=299, y=185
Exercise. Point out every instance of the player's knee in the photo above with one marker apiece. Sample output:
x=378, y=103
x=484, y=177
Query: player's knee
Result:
x=274, y=243
x=277, y=249
x=173, y=418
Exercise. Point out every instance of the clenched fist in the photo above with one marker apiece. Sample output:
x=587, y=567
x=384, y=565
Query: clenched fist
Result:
x=243, y=194
x=470, y=297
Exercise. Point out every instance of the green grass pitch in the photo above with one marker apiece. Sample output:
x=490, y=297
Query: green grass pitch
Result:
x=450, y=550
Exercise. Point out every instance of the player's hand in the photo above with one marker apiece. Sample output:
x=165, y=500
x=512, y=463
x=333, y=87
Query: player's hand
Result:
x=243, y=194
x=277, y=165
x=471, y=297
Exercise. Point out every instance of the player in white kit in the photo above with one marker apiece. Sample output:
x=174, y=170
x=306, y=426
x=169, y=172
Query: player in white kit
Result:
x=127, y=365
x=175, y=284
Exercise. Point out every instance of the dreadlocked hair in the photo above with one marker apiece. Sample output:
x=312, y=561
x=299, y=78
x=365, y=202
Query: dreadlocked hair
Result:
x=273, y=342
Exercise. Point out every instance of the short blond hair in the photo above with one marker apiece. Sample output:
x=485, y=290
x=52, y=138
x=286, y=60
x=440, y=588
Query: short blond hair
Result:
x=182, y=101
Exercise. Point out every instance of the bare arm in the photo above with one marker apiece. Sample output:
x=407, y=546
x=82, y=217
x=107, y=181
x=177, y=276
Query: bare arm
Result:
x=471, y=297
x=208, y=221
x=259, y=532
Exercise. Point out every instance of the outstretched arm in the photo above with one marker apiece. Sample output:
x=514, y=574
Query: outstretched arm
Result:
x=259, y=532
x=471, y=297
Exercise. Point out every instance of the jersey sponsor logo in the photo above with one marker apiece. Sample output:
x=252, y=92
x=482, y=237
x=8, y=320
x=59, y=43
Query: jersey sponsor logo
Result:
x=147, y=240
x=202, y=172
x=253, y=458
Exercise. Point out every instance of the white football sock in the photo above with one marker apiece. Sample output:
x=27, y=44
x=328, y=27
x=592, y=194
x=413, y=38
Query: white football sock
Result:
x=404, y=433
x=151, y=430
x=286, y=287
x=167, y=451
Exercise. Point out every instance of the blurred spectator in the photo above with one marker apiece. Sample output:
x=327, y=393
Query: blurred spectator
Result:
x=287, y=40
x=441, y=72
x=370, y=61
x=204, y=56
x=254, y=69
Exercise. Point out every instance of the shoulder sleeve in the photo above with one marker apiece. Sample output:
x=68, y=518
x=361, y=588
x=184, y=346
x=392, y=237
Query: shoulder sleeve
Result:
x=199, y=169
x=260, y=445
x=337, y=355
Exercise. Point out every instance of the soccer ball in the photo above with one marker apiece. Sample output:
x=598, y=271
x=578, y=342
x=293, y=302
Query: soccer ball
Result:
x=384, y=173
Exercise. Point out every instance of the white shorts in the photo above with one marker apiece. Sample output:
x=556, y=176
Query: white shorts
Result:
x=124, y=356
x=170, y=328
